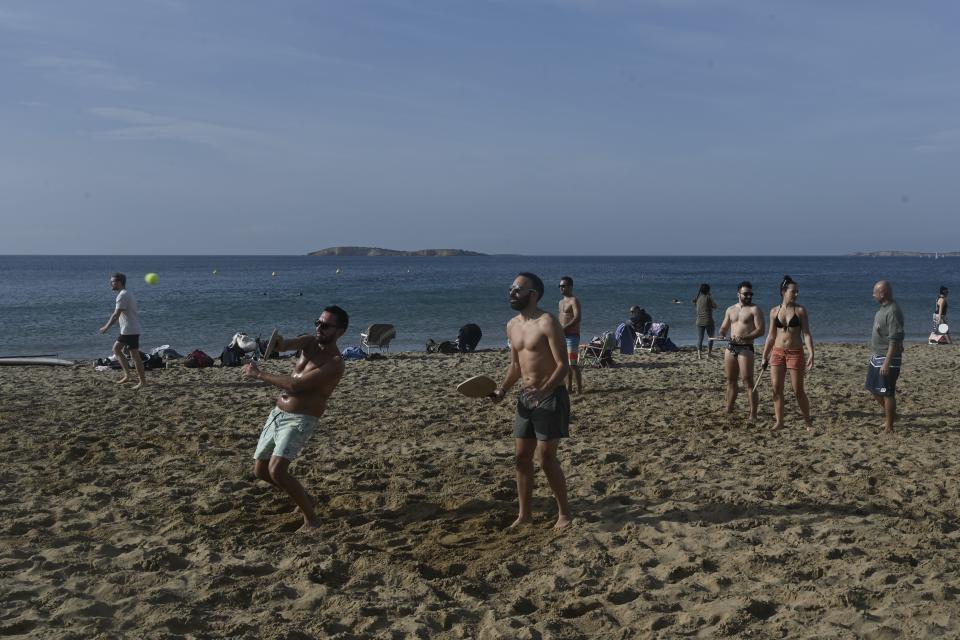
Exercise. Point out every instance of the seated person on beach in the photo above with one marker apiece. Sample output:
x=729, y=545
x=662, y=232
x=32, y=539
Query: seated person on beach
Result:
x=744, y=322
x=783, y=350
x=639, y=318
x=302, y=401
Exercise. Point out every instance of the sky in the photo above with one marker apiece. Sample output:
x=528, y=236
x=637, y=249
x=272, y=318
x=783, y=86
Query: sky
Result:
x=540, y=127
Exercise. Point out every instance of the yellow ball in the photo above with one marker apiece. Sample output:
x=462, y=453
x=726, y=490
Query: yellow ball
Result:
x=151, y=278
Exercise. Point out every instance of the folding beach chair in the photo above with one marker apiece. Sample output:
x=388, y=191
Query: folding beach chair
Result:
x=654, y=337
x=379, y=336
x=598, y=352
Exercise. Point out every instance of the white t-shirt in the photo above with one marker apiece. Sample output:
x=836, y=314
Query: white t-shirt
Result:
x=129, y=318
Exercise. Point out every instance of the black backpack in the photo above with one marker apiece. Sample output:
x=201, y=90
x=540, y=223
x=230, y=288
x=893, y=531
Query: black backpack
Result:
x=231, y=357
x=469, y=337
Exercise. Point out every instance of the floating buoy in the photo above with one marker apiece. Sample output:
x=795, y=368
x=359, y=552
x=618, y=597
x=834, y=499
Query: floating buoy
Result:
x=214, y=272
x=338, y=269
x=274, y=274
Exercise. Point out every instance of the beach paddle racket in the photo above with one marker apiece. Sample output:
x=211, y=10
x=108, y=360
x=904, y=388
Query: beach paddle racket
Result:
x=763, y=368
x=943, y=327
x=272, y=344
x=477, y=387
x=718, y=339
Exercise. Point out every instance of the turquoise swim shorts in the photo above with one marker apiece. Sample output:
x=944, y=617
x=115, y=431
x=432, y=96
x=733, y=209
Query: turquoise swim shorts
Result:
x=284, y=435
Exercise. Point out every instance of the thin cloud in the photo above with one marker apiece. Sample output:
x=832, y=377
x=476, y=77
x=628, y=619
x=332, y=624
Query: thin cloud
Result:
x=87, y=72
x=145, y=126
x=947, y=141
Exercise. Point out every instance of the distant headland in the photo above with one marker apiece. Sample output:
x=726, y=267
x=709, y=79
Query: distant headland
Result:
x=906, y=254
x=377, y=251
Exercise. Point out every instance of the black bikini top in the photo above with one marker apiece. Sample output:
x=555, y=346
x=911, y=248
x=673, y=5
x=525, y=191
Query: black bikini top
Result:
x=794, y=322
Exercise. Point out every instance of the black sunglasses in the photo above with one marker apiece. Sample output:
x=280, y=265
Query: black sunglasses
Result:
x=564, y=286
x=320, y=324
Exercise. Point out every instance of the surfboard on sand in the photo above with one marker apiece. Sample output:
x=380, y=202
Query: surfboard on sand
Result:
x=26, y=361
x=271, y=344
x=477, y=387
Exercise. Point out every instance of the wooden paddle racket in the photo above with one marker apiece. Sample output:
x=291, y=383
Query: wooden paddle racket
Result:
x=763, y=369
x=272, y=344
x=477, y=387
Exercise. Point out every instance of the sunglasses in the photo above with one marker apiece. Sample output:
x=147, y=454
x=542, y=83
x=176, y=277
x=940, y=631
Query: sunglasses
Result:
x=747, y=294
x=564, y=286
x=320, y=324
x=517, y=290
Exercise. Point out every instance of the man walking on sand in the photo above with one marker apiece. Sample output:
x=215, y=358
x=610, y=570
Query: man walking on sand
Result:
x=744, y=321
x=303, y=399
x=569, y=316
x=129, y=318
x=886, y=344
x=538, y=358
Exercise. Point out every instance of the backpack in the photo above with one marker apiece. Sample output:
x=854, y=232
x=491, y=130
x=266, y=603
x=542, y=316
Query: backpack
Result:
x=231, y=356
x=197, y=359
x=468, y=337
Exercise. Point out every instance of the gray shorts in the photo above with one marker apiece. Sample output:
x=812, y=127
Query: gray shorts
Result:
x=284, y=435
x=548, y=420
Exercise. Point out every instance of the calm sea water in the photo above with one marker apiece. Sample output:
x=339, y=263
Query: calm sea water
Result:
x=56, y=304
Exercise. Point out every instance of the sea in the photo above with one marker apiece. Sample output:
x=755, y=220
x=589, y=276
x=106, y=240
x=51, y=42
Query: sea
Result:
x=56, y=304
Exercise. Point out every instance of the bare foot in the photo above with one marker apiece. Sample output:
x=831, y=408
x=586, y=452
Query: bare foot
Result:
x=309, y=526
x=887, y=430
x=810, y=426
x=314, y=503
x=138, y=385
x=776, y=426
x=562, y=523
x=521, y=520
x=122, y=380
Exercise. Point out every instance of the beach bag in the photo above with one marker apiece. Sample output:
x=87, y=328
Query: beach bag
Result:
x=447, y=347
x=154, y=361
x=938, y=338
x=197, y=359
x=231, y=356
x=353, y=353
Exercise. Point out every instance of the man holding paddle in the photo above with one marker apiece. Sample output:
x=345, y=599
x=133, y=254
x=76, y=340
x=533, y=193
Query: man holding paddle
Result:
x=538, y=357
x=303, y=399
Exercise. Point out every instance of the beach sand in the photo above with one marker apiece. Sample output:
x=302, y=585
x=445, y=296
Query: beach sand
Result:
x=135, y=514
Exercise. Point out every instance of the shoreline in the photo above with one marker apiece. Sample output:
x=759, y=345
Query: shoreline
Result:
x=136, y=512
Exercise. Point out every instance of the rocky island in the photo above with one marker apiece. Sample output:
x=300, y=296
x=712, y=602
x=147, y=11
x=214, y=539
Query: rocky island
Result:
x=905, y=254
x=377, y=251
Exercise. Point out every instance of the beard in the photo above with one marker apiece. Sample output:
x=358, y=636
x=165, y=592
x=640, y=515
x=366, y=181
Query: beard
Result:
x=326, y=339
x=518, y=304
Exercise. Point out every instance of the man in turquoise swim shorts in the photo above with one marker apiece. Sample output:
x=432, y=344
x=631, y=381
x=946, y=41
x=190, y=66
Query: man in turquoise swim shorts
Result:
x=303, y=399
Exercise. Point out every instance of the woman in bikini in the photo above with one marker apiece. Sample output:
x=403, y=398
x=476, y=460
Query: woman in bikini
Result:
x=783, y=350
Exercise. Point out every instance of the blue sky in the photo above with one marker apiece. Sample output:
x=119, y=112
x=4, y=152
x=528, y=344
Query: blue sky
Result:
x=523, y=126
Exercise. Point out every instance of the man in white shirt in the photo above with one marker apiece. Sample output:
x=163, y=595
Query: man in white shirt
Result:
x=126, y=314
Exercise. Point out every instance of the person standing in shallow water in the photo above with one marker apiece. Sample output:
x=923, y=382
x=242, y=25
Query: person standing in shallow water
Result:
x=539, y=360
x=128, y=315
x=783, y=350
x=705, y=324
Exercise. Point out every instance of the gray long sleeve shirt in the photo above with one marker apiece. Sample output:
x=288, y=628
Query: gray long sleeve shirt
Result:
x=887, y=330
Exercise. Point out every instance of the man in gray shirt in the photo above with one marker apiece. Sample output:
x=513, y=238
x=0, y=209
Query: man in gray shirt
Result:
x=886, y=345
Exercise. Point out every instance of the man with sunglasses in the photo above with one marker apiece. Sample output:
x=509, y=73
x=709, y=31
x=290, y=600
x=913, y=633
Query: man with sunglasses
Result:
x=537, y=357
x=303, y=399
x=570, y=316
x=744, y=322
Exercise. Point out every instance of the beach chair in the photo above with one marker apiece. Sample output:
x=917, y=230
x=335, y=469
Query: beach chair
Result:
x=654, y=337
x=598, y=352
x=379, y=336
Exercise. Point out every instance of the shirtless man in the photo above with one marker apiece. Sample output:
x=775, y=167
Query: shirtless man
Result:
x=569, y=316
x=543, y=409
x=303, y=399
x=744, y=321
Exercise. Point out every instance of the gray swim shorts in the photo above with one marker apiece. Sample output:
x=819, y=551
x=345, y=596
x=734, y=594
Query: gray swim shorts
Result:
x=548, y=420
x=284, y=435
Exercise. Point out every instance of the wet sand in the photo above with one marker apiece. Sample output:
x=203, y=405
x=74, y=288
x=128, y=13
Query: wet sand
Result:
x=135, y=514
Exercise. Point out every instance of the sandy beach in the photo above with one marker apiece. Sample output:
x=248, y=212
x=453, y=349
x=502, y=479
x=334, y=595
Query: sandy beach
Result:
x=135, y=514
